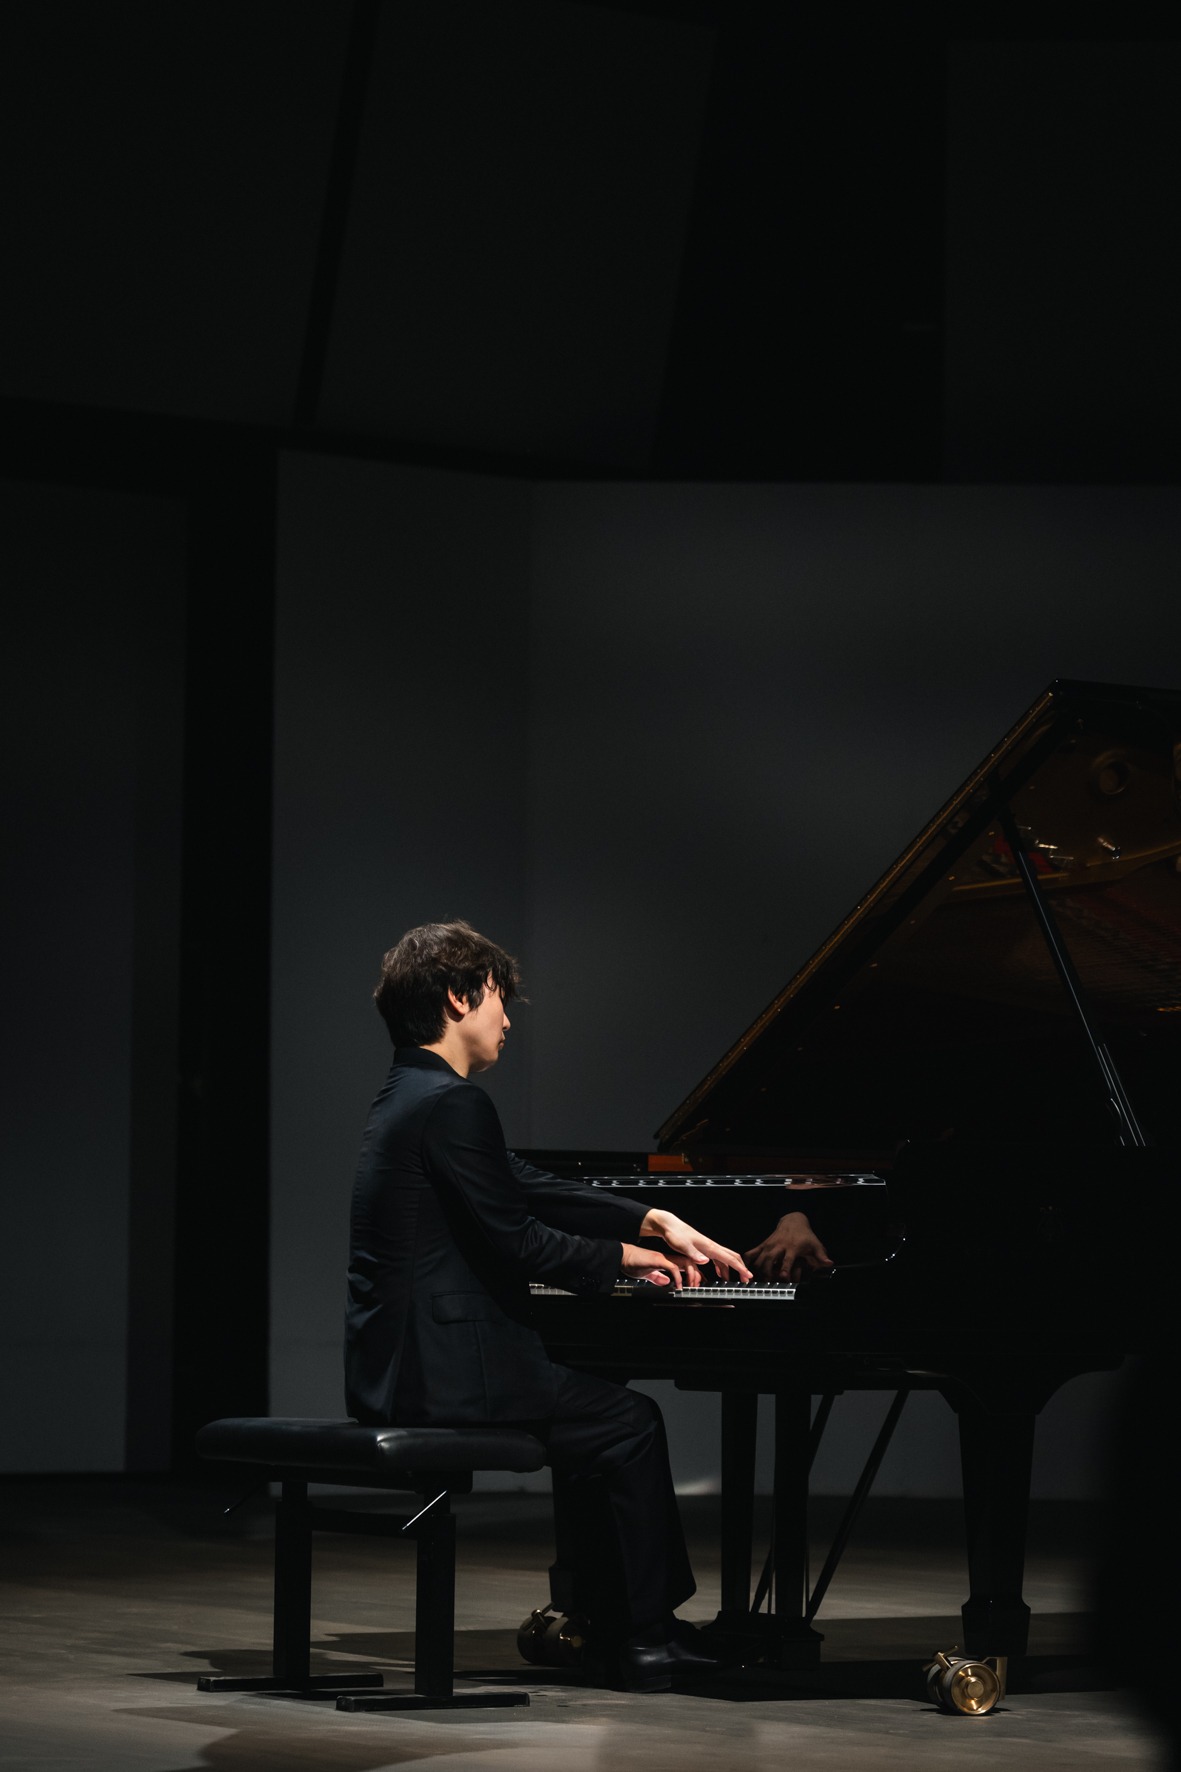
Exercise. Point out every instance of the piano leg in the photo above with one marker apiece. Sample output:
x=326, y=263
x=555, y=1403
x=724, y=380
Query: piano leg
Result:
x=739, y=1429
x=996, y=1454
x=798, y=1643
x=784, y=1638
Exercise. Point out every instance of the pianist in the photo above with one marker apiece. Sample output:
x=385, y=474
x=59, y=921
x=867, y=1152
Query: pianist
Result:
x=448, y=1229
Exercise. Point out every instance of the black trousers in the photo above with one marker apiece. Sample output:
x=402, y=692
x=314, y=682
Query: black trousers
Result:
x=621, y=1557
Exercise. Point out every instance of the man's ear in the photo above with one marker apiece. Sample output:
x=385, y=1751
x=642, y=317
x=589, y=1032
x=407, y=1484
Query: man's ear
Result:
x=456, y=1007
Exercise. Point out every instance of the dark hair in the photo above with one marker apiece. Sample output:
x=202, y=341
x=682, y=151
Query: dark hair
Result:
x=411, y=994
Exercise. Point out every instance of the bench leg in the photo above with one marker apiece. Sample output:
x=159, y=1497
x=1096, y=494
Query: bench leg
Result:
x=434, y=1627
x=434, y=1601
x=292, y=1650
x=292, y=1638
x=434, y=1647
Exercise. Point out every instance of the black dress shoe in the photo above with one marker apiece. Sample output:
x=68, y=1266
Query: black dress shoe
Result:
x=656, y=1667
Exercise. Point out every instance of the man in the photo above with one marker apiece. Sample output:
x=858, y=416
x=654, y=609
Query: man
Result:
x=448, y=1229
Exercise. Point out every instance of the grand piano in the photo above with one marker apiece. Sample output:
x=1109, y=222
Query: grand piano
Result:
x=971, y=1089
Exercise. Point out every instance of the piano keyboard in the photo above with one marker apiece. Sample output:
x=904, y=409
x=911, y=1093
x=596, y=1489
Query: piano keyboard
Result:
x=650, y=1293
x=780, y=1179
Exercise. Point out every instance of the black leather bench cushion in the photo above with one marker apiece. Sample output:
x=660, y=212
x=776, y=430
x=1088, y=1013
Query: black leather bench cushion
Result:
x=282, y=1442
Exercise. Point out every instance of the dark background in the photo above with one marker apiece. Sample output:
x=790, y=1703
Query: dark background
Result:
x=604, y=470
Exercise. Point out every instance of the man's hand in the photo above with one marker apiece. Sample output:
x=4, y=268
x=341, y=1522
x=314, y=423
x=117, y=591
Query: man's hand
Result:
x=789, y=1252
x=683, y=1240
x=647, y=1264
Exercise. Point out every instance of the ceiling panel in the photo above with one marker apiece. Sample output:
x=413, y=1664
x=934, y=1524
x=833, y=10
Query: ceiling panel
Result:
x=516, y=229
x=161, y=225
x=1064, y=261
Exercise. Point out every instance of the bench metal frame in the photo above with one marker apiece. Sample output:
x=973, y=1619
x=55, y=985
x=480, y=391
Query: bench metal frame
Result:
x=433, y=1529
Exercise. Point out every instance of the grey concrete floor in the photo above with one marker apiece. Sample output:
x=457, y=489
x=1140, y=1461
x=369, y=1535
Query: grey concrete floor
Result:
x=117, y=1596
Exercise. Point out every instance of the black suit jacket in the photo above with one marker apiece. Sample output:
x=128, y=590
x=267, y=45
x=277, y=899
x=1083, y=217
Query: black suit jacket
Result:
x=448, y=1229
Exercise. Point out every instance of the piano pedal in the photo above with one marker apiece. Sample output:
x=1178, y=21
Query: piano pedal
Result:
x=761, y=1640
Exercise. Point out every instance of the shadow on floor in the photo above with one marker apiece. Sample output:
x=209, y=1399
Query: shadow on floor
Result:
x=268, y=1741
x=861, y=1658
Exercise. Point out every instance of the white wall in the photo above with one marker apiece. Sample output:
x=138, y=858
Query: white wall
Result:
x=91, y=696
x=400, y=770
x=746, y=700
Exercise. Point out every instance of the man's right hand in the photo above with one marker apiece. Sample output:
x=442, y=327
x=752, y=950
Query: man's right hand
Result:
x=688, y=1245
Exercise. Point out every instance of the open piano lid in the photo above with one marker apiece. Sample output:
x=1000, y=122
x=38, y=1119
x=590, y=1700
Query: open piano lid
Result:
x=936, y=1011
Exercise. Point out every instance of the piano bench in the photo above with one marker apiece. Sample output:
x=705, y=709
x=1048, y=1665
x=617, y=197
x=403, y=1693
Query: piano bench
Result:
x=432, y=1463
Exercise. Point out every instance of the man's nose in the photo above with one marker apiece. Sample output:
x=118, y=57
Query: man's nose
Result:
x=507, y=1024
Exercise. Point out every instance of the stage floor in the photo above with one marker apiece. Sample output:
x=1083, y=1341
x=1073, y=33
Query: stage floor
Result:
x=118, y=1595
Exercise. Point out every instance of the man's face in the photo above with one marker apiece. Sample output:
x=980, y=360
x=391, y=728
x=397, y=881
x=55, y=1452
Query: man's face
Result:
x=484, y=1029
